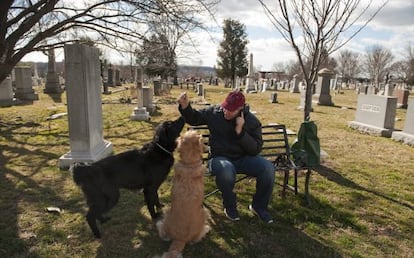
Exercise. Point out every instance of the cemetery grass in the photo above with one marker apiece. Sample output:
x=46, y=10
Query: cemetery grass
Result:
x=362, y=195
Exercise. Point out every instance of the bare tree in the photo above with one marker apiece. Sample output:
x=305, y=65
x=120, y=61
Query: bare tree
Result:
x=410, y=64
x=324, y=25
x=165, y=37
x=348, y=65
x=377, y=63
x=30, y=25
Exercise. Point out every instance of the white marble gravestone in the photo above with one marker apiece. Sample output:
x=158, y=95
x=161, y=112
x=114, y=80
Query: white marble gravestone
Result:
x=84, y=106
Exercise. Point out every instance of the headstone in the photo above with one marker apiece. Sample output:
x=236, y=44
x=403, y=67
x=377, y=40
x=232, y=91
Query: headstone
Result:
x=84, y=106
x=148, y=94
x=250, y=76
x=24, y=82
x=322, y=94
x=52, y=78
x=388, y=90
x=35, y=75
x=273, y=97
x=110, y=81
x=199, y=89
x=140, y=113
x=6, y=93
x=303, y=100
x=407, y=135
x=265, y=85
x=157, y=87
x=117, y=77
x=375, y=115
x=295, y=84
x=402, y=97
x=372, y=90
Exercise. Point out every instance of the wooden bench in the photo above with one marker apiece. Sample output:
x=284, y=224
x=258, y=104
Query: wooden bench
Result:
x=275, y=148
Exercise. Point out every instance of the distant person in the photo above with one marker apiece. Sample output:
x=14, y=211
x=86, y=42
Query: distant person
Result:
x=235, y=141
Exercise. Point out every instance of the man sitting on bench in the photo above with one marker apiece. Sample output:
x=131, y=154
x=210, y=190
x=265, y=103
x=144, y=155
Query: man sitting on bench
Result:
x=235, y=142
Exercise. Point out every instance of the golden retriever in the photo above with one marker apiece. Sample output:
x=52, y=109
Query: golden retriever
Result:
x=186, y=220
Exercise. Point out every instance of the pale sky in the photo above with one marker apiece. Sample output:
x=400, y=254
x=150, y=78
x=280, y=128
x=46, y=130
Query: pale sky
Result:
x=392, y=28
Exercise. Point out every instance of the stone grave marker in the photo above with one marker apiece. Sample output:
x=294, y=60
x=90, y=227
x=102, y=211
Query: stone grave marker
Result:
x=407, y=135
x=250, y=76
x=6, y=93
x=322, y=94
x=52, y=78
x=24, y=84
x=375, y=115
x=402, y=97
x=84, y=106
x=140, y=112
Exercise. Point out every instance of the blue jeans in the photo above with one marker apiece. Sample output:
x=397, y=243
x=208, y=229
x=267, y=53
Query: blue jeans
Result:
x=225, y=171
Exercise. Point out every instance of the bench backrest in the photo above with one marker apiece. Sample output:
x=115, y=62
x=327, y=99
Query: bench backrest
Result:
x=275, y=143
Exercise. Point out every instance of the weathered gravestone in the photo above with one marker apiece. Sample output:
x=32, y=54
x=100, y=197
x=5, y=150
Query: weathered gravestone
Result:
x=52, y=78
x=157, y=87
x=375, y=115
x=200, y=89
x=6, y=93
x=84, y=106
x=24, y=83
x=402, y=97
x=118, y=77
x=322, y=94
x=148, y=95
x=407, y=135
x=250, y=76
x=110, y=81
x=295, y=84
x=140, y=112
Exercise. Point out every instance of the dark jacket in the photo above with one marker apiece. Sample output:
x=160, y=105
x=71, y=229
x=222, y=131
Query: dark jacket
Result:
x=223, y=139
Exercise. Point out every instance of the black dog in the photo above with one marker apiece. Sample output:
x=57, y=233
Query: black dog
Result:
x=143, y=169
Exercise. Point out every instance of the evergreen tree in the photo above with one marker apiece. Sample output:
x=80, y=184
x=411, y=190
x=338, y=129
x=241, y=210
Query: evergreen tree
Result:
x=232, y=55
x=161, y=58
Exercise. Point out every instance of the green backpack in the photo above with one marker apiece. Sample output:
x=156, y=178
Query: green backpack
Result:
x=306, y=150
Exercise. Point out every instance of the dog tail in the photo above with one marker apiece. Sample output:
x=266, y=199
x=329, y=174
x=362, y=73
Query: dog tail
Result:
x=176, y=248
x=175, y=251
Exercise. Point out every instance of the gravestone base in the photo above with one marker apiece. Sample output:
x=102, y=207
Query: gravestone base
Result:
x=403, y=137
x=322, y=100
x=9, y=102
x=370, y=129
x=53, y=90
x=140, y=114
x=103, y=150
x=28, y=95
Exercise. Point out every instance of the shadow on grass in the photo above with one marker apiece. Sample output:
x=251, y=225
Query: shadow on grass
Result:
x=250, y=237
x=23, y=198
x=334, y=176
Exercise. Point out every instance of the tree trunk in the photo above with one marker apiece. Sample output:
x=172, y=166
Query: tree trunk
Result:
x=308, y=100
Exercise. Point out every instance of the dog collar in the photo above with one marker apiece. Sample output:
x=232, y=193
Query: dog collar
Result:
x=162, y=148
